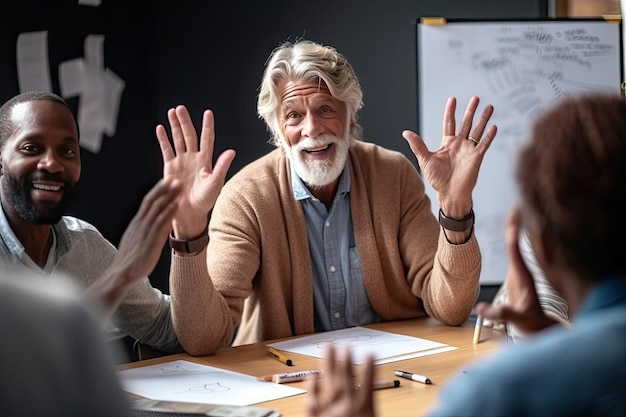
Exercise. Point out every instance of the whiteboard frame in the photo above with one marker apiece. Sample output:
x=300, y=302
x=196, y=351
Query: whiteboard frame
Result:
x=495, y=191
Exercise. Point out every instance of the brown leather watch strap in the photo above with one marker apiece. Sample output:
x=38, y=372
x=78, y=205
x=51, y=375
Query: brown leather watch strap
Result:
x=189, y=246
x=457, y=225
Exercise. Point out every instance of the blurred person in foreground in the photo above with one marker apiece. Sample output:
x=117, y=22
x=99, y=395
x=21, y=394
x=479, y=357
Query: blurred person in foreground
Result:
x=327, y=231
x=55, y=360
x=521, y=307
x=571, y=177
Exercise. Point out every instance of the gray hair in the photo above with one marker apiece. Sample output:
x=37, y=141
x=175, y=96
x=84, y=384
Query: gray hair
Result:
x=305, y=60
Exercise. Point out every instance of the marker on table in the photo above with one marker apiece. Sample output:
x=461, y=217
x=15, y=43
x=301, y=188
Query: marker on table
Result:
x=382, y=384
x=477, y=329
x=413, y=377
x=279, y=356
x=290, y=376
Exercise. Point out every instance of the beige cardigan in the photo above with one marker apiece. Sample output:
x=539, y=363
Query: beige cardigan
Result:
x=258, y=284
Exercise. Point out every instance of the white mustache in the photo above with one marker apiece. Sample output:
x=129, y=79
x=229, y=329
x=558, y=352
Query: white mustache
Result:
x=318, y=142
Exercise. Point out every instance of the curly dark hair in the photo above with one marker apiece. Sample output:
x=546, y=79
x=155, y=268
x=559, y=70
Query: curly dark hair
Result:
x=572, y=179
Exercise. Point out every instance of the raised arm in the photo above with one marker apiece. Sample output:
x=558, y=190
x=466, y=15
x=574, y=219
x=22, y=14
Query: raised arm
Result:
x=450, y=288
x=452, y=170
x=194, y=299
x=140, y=247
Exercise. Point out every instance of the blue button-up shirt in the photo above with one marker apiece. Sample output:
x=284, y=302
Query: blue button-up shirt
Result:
x=339, y=296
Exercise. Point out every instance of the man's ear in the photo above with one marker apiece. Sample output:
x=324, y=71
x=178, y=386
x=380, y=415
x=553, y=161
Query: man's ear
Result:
x=352, y=127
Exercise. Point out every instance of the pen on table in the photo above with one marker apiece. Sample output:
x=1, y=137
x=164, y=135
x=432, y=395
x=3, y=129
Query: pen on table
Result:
x=382, y=384
x=413, y=377
x=477, y=329
x=279, y=356
x=290, y=376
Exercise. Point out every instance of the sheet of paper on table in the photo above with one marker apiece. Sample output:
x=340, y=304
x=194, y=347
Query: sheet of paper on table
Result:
x=182, y=380
x=386, y=347
x=159, y=408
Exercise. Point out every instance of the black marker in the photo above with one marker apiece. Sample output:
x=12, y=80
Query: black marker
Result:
x=413, y=377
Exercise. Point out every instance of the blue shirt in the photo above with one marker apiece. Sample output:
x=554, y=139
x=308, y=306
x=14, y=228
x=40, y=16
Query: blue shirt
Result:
x=561, y=372
x=339, y=296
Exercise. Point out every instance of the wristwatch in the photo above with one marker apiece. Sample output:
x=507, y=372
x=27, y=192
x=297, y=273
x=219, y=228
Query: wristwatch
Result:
x=457, y=225
x=189, y=246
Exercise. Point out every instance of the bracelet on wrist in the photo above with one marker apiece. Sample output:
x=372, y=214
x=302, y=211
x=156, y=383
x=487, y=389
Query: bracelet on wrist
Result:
x=189, y=246
x=456, y=225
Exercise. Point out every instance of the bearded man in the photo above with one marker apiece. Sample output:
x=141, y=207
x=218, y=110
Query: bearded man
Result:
x=327, y=231
x=39, y=167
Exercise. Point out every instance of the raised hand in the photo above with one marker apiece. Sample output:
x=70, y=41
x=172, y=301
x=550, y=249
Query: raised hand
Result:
x=334, y=394
x=523, y=309
x=141, y=245
x=191, y=163
x=452, y=170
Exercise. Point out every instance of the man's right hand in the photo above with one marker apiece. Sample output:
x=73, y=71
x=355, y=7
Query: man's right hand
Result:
x=191, y=164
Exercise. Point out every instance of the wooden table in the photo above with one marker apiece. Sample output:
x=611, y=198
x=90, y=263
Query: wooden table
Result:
x=410, y=399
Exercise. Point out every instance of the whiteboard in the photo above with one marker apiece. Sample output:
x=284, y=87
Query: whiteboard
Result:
x=521, y=68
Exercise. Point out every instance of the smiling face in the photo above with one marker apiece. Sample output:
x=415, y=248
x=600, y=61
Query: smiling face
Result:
x=40, y=162
x=315, y=131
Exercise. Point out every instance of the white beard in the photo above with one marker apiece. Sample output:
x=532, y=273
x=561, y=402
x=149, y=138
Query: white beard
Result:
x=317, y=173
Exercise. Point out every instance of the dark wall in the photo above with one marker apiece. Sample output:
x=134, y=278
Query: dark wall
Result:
x=114, y=180
x=195, y=53
x=219, y=57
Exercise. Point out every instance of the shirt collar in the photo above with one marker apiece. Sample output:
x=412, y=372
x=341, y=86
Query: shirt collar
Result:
x=15, y=247
x=10, y=240
x=301, y=192
x=608, y=293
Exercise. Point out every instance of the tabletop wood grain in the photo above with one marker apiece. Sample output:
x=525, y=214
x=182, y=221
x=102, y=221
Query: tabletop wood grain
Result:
x=411, y=399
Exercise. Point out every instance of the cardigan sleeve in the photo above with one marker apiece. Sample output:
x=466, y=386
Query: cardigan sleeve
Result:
x=444, y=276
x=409, y=267
x=209, y=289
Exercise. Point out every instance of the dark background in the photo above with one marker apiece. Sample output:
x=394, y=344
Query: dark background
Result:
x=206, y=55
